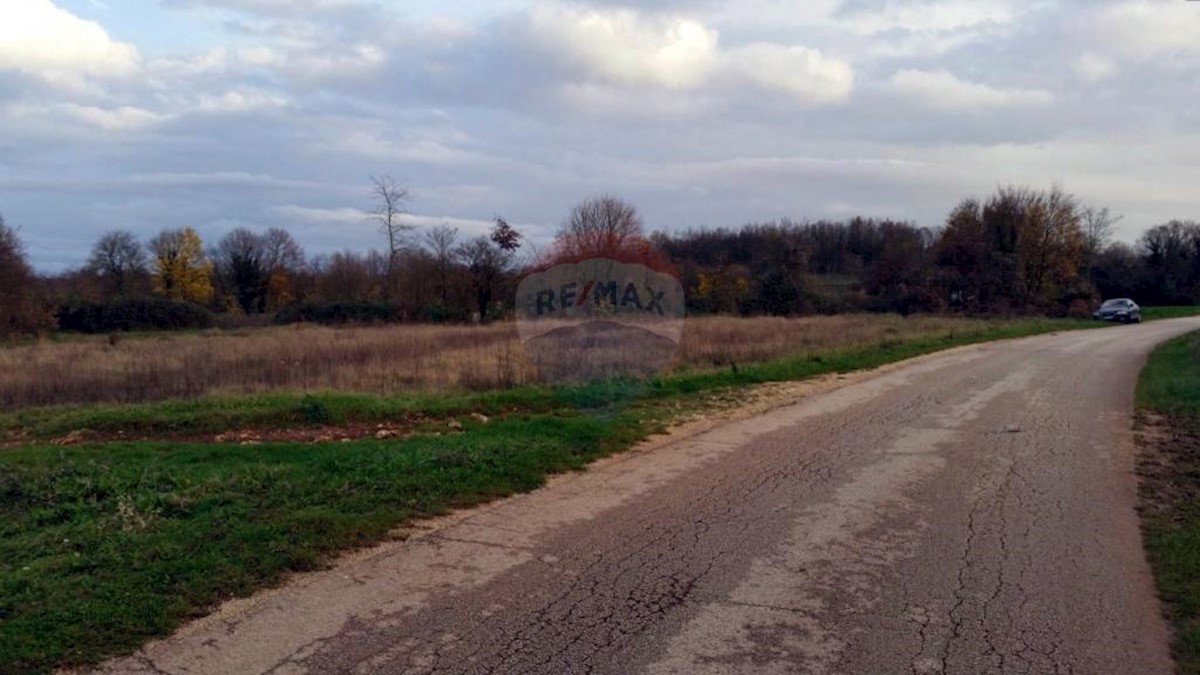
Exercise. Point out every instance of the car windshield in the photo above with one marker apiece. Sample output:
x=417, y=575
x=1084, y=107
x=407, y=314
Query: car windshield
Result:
x=1114, y=304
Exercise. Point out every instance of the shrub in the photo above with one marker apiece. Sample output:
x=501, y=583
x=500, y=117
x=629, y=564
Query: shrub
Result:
x=443, y=314
x=134, y=314
x=1079, y=309
x=313, y=410
x=337, y=313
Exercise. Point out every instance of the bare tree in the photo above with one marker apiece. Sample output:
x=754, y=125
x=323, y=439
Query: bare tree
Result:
x=1098, y=226
x=281, y=252
x=391, y=198
x=598, y=227
x=119, y=258
x=441, y=242
x=346, y=276
x=283, y=261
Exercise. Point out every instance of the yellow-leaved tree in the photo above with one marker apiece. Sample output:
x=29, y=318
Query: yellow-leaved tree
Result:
x=181, y=270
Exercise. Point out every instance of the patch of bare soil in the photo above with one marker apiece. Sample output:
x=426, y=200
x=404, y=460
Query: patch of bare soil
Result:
x=343, y=433
x=1168, y=464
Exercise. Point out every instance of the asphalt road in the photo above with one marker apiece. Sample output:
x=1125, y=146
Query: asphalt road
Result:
x=969, y=512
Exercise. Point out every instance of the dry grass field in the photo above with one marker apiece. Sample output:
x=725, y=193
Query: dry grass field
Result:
x=385, y=360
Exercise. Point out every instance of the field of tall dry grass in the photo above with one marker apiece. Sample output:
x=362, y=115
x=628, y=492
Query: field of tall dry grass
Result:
x=384, y=360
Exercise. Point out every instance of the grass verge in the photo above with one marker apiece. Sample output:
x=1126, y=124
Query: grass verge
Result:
x=103, y=546
x=1176, y=312
x=1169, y=467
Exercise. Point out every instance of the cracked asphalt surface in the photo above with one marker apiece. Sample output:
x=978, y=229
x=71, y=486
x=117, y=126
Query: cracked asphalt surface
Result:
x=967, y=512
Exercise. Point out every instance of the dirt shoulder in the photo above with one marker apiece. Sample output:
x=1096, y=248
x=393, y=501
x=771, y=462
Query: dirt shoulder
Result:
x=1168, y=470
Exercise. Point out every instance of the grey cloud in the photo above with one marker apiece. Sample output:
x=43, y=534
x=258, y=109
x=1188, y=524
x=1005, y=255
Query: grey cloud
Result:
x=483, y=122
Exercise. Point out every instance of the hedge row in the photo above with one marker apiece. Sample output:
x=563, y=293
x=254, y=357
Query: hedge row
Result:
x=134, y=314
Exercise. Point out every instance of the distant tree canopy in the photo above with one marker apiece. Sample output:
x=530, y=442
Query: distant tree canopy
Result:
x=254, y=272
x=791, y=268
x=1017, y=250
x=1020, y=248
x=1164, y=268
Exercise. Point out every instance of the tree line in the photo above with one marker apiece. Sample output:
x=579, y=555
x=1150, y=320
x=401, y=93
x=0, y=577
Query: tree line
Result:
x=1017, y=251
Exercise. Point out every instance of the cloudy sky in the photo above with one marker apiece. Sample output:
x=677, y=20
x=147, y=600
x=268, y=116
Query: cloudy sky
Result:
x=146, y=114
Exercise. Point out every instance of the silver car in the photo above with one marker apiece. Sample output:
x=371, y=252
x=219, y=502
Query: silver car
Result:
x=1121, y=310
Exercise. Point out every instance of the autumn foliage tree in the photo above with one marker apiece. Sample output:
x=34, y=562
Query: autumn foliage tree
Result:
x=283, y=264
x=724, y=289
x=1050, y=245
x=181, y=271
x=1020, y=248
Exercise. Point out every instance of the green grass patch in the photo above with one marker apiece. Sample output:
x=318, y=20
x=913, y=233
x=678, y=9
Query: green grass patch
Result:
x=1170, y=380
x=1169, y=405
x=1159, y=313
x=104, y=546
